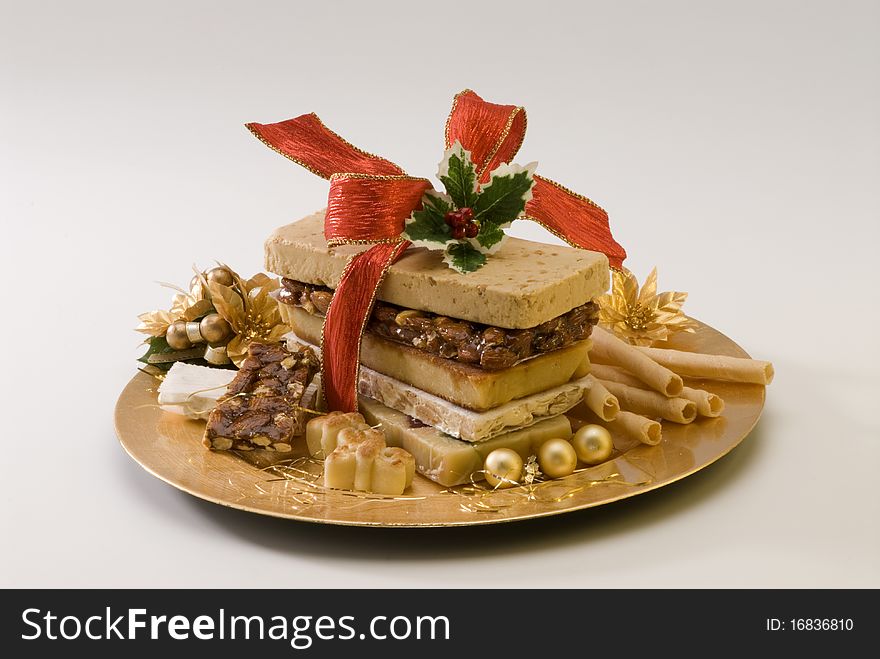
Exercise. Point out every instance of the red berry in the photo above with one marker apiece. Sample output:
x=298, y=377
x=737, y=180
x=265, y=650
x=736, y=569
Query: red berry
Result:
x=471, y=230
x=458, y=232
x=455, y=219
x=459, y=218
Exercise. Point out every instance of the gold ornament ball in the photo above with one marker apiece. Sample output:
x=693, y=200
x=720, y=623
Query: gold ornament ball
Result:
x=557, y=458
x=176, y=337
x=593, y=444
x=503, y=468
x=214, y=329
x=220, y=275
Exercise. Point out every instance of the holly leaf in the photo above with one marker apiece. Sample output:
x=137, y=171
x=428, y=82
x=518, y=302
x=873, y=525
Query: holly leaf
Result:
x=441, y=203
x=457, y=172
x=156, y=345
x=427, y=227
x=504, y=197
x=489, y=240
x=464, y=258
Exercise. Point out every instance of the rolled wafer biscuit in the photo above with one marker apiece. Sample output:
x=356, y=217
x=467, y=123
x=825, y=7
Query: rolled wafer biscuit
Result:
x=708, y=404
x=608, y=349
x=709, y=367
x=600, y=400
x=615, y=374
x=646, y=430
x=625, y=426
x=652, y=404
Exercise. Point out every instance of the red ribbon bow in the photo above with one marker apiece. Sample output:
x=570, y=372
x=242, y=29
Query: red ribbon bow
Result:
x=371, y=198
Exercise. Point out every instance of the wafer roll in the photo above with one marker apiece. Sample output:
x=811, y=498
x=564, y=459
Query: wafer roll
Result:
x=625, y=426
x=709, y=367
x=708, y=404
x=646, y=430
x=608, y=349
x=652, y=404
x=600, y=400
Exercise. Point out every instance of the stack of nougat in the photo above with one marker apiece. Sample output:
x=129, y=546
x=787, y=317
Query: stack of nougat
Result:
x=455, y=365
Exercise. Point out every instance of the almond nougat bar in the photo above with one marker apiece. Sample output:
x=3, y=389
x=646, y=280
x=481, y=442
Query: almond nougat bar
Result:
x=463, y=384
x=486, y=346
x=261, y=407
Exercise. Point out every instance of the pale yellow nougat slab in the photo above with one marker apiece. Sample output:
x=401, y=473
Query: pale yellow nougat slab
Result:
x=463, y=384
x=523, y=285
x=466, y=424
x=447, y=460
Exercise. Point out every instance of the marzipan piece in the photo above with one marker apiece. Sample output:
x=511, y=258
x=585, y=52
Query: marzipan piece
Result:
x=322, y=432
x=362, y=461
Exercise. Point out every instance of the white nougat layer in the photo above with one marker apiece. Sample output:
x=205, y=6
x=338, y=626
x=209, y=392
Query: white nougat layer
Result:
x=193, y=390
x=466, y=424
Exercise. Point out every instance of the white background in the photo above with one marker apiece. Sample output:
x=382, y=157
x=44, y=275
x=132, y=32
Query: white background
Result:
x=736, y=146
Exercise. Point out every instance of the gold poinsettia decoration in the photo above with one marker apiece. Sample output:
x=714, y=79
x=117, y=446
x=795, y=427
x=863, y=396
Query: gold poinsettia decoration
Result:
x=215, y=320
x=253, y=316
x=155, y=323
x=642, y=317
x=185, y=305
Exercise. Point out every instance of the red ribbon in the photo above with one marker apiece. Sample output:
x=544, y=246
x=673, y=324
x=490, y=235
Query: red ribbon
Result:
x=370, y=199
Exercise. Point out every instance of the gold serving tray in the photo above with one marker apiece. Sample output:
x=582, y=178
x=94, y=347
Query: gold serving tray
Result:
x=289, y=485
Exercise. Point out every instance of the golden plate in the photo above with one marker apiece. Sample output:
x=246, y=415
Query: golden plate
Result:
x=169, y=447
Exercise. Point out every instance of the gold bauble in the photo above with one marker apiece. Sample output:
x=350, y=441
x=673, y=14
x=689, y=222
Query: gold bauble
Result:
x=176, y=337
x=593, y=444
x=557, y=458
x=503, y=468
x=214, y=329
x=220, y=275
